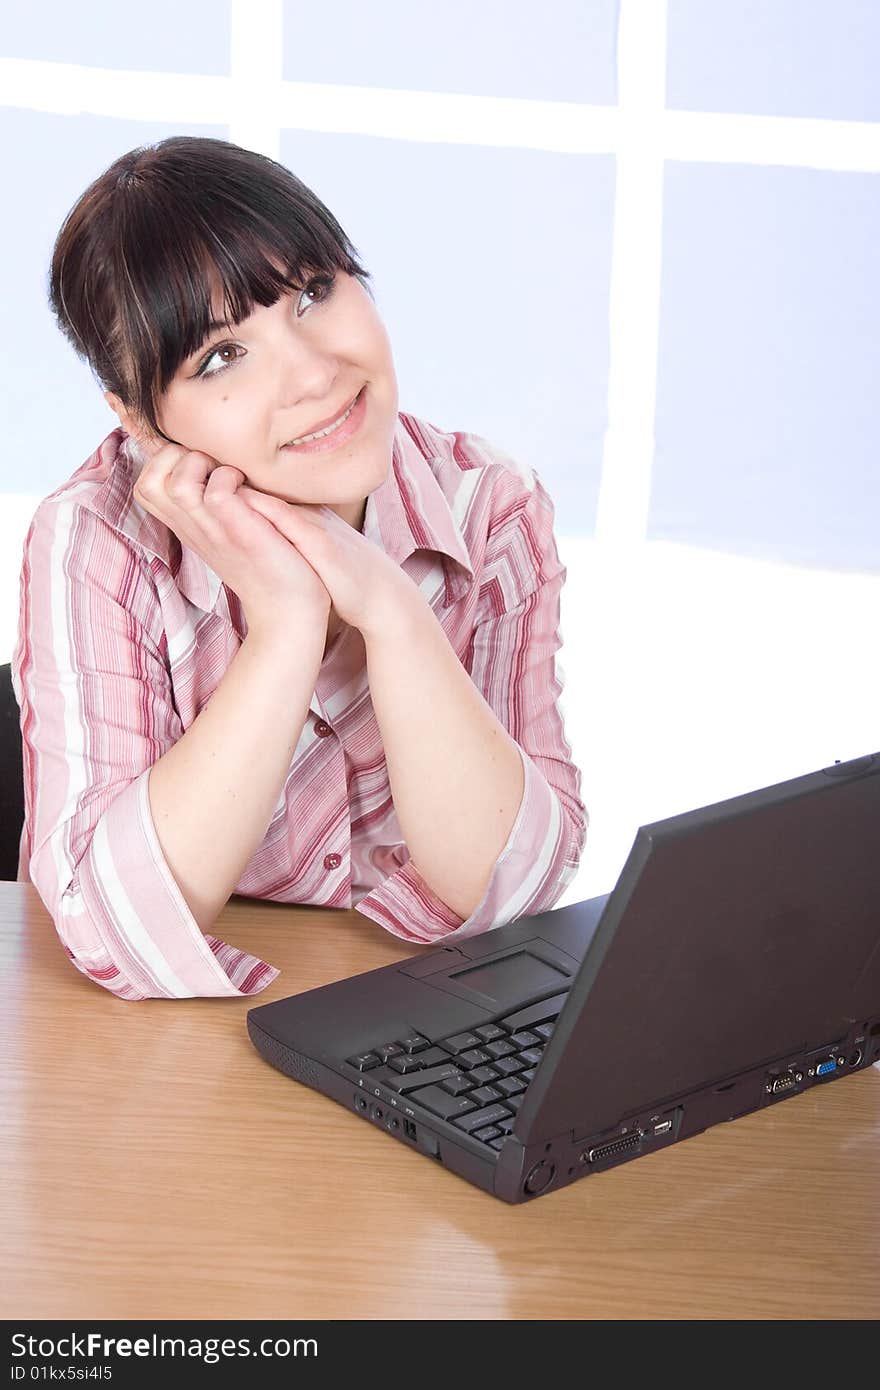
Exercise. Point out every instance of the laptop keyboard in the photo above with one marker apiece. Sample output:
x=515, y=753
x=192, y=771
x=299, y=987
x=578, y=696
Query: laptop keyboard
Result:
x=477, y=1080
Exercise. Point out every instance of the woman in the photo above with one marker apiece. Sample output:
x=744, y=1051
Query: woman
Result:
x=276, y=638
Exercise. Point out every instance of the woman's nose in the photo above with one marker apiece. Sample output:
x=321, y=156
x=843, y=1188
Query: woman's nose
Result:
x=305, y=373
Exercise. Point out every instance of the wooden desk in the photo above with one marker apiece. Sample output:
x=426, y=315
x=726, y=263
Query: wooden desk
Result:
x=157, y=1167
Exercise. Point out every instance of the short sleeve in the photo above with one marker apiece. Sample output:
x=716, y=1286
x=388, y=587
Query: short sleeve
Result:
x=512, y=661
x=97, y=710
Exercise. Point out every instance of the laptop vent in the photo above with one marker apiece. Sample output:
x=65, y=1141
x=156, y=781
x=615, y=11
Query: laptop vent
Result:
x=290, y=1062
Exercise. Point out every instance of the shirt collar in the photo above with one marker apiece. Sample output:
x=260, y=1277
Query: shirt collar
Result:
x=408, y=511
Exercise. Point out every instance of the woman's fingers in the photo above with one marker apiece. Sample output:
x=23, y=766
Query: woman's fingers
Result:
x=272, y=506
x=223, y=481
x=183, y=479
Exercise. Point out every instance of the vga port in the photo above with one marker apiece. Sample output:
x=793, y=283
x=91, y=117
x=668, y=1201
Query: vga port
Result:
x=829, y=1065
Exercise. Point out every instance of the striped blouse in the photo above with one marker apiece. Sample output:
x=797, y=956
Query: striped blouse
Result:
x=124, y=633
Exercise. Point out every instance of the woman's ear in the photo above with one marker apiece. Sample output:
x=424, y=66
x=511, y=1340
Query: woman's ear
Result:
x=141, y=436
x=116, y=405
x=139, y=439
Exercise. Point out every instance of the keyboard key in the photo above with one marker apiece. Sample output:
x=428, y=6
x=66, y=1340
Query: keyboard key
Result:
x=510, y=1085
x=545, y=1030
x=474, y=1058
x=441, y=1103
x=384, y=1076
x=364, y=1061
x=500, y=1048
x=490, y=1115
x=506, y=1126
x=489, y=1031
x=508, y=1065
x=496, y=1143
x=414, y=1042
x=480, y=1075
x=458, y=1084
x=524, y=1039
x=429, y=1076
x=484, y=1094
x=515, y=1101
x=535, y=1013
x=531, y=1055
x=460, y=1042
x=433, y=1056
x=404, y=1063
x=527, y=1075
x=388, y=1050
x=487, y=1133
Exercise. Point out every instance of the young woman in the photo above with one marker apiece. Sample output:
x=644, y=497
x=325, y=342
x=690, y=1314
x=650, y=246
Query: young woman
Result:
x=276, y=637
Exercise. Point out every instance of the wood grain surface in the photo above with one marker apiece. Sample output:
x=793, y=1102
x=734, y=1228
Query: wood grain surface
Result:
x=156, y=1167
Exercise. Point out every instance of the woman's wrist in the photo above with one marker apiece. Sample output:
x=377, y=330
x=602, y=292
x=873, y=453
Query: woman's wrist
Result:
x=285, y=633
x=402, y=612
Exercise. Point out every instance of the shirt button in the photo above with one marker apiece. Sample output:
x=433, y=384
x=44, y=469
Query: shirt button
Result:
x=322, y=729
x=332, y=861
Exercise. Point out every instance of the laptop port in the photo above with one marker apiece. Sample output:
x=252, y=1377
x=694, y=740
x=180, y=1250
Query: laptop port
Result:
x=409, y=1129
x=855, y=1057
x=378, y=1112
x=825, y=1068
x=393, y=1122
x=624, y=1144
x=785, y=1082
x=361, y=1102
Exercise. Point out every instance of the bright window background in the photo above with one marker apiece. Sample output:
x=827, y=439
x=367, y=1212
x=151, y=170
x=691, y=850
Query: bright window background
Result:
x=631, y=242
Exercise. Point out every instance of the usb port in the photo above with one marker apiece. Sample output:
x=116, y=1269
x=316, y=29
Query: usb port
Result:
x=664, y=1127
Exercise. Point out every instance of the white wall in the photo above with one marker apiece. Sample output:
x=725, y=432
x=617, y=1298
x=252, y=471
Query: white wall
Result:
x=633, y=242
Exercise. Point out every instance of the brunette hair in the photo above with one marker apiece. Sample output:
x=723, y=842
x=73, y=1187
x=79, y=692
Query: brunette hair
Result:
x=129, y=283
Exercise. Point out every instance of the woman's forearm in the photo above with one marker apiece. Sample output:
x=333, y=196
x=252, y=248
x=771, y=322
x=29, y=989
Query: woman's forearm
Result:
x=213, y=793
x=456, y=774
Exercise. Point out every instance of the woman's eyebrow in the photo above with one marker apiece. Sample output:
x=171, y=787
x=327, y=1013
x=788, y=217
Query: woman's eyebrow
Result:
x=216, y=324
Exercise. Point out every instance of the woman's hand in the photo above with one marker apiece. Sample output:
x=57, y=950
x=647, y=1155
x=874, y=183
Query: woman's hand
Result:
x=365, y=585
x=203, y=503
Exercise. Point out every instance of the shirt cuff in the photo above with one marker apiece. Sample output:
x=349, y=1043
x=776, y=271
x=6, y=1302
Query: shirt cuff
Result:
x=532, y=871
x=135, y=934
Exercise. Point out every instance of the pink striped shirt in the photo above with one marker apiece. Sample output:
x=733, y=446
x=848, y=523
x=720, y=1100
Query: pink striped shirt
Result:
x=123, y=635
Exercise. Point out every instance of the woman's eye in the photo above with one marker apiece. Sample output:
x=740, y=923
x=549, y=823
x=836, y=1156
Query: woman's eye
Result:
x=323, y=284
x=226, y=347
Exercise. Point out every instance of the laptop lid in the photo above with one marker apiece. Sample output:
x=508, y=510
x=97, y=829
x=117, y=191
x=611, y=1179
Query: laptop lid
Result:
x=736, y=933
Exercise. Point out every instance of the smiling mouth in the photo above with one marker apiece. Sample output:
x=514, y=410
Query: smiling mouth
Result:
x=328, y=429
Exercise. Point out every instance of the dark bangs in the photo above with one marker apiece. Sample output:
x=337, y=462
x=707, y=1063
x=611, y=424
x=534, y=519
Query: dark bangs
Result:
x=139, y=254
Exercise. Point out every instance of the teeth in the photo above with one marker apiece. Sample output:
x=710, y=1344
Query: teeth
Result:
x=307, y=438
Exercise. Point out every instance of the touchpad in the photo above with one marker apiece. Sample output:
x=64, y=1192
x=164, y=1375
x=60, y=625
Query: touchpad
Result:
x=518, y=975
x=511, y=976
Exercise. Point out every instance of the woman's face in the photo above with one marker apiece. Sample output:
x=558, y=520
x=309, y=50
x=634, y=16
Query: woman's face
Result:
x=282, y=373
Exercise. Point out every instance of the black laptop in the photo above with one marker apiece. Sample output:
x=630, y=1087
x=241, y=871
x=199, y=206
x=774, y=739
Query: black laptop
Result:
x=736, y=964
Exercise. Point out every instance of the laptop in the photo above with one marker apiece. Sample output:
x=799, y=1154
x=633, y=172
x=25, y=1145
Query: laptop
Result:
x=735, y=965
